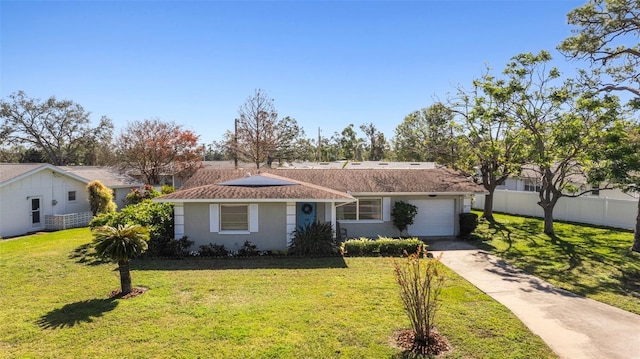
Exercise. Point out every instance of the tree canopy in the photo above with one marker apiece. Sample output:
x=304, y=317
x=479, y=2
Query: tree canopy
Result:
x=59, y=129
x=155, y=148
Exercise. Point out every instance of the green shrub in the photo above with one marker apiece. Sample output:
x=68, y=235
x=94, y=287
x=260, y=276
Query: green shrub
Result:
x=213, y=250
x=158, y=217
x=383, y=246
x=248, y=249
x=314, y=239
x=468, y=224
x=403, y=214
x=138, y=195
x=100, y=198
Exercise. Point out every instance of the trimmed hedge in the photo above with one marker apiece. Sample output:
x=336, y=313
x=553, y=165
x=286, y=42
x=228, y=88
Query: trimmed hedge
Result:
x=468, y=224
x=383, y=246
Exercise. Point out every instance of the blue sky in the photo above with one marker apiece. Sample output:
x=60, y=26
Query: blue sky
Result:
x=325, y=63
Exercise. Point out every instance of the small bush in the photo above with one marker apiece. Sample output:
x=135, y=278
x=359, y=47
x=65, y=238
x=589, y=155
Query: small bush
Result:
x=403, y=214
x=248, y=249
x=420, y=281
x=213, y=250
x=315, y=239
x=383, y=246
x=468, y=224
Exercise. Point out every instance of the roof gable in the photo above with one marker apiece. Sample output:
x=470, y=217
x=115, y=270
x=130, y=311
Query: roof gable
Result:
x=12, y=172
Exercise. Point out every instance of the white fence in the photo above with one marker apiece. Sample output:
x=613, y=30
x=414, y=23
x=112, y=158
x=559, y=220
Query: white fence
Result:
x=65, y=221
x=619, y=213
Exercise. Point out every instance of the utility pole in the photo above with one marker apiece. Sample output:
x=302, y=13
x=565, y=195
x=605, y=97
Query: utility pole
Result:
x=319, y=147
x=235, y=145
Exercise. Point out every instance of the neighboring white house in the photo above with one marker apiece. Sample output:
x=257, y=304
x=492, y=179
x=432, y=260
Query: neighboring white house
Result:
x=121, y=184
x=529, y=180
x=35, y=197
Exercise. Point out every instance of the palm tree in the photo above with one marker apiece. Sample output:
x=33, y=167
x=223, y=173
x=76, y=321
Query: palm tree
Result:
x=119, y=244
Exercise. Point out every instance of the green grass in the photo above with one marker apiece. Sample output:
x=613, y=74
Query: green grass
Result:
x=54, y=305
x=586, y=260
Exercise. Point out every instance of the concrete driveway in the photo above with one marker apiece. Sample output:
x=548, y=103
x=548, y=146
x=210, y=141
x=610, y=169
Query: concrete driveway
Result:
x=573, y=326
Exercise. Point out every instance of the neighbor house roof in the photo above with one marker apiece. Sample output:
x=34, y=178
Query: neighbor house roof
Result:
x=110, y=177
x=10, y=172
x=264, y=186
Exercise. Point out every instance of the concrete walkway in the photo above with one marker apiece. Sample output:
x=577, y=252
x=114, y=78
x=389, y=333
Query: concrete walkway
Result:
x=573, y=326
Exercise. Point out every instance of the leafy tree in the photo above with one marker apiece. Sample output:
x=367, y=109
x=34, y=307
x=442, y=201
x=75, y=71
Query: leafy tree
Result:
x=59, y=128
x=619, y=162
x=563, y=124
x=497, y=140
x=606, y=34
x=120, y=244
x=349, y=145
x=100, y=198
x=155, y=148
x=377, y=143
x=290, y=141
x=428, y=135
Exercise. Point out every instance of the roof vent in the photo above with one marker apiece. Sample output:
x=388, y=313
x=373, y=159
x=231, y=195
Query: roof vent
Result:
x=383, y=164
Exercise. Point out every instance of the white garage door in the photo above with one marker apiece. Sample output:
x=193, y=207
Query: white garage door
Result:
x=436, y=217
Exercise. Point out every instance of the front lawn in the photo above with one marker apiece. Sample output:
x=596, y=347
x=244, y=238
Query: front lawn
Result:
x=586, y=260
x=53, y=306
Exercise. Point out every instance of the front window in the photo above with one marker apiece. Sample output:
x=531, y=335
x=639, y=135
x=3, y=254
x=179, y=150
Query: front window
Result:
x=71, y=196
x=363, y=209
x=234, y=217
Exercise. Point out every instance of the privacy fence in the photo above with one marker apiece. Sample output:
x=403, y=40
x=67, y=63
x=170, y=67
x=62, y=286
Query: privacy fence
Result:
x=619, y=213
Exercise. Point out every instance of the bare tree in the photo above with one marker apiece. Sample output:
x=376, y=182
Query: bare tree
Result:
x=257, y=129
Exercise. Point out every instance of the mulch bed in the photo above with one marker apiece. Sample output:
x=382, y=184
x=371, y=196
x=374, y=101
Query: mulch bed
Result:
x=135, y=291
x=438, y=344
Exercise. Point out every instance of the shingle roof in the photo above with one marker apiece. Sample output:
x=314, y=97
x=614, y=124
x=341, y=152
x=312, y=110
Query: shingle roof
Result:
x=110, y=177
x=12, y=170
x=295, y=190
x=204, y=184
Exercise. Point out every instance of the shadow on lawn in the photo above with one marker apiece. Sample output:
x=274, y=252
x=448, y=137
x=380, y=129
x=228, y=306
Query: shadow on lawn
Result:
x=86, y=255
x=239, y=263
x=76, y=313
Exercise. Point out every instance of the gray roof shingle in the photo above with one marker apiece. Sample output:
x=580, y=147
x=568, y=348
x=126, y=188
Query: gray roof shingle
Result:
x=205, y=184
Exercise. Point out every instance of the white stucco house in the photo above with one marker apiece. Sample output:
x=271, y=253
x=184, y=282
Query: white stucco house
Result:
x=40, y=196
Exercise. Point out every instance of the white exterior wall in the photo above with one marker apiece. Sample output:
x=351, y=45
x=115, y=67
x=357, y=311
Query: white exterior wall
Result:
x=51, y=187
x=611, y=212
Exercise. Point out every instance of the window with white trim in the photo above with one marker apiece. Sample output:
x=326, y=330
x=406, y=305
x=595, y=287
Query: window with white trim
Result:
x=234, y=217
x=361, y=210
x=71, y=196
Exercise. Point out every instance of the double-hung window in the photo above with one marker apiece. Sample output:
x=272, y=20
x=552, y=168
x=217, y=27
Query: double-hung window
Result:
x=71, y=196
x=361, y=210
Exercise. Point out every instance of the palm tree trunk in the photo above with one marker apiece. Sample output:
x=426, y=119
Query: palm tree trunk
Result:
x=125, y=277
